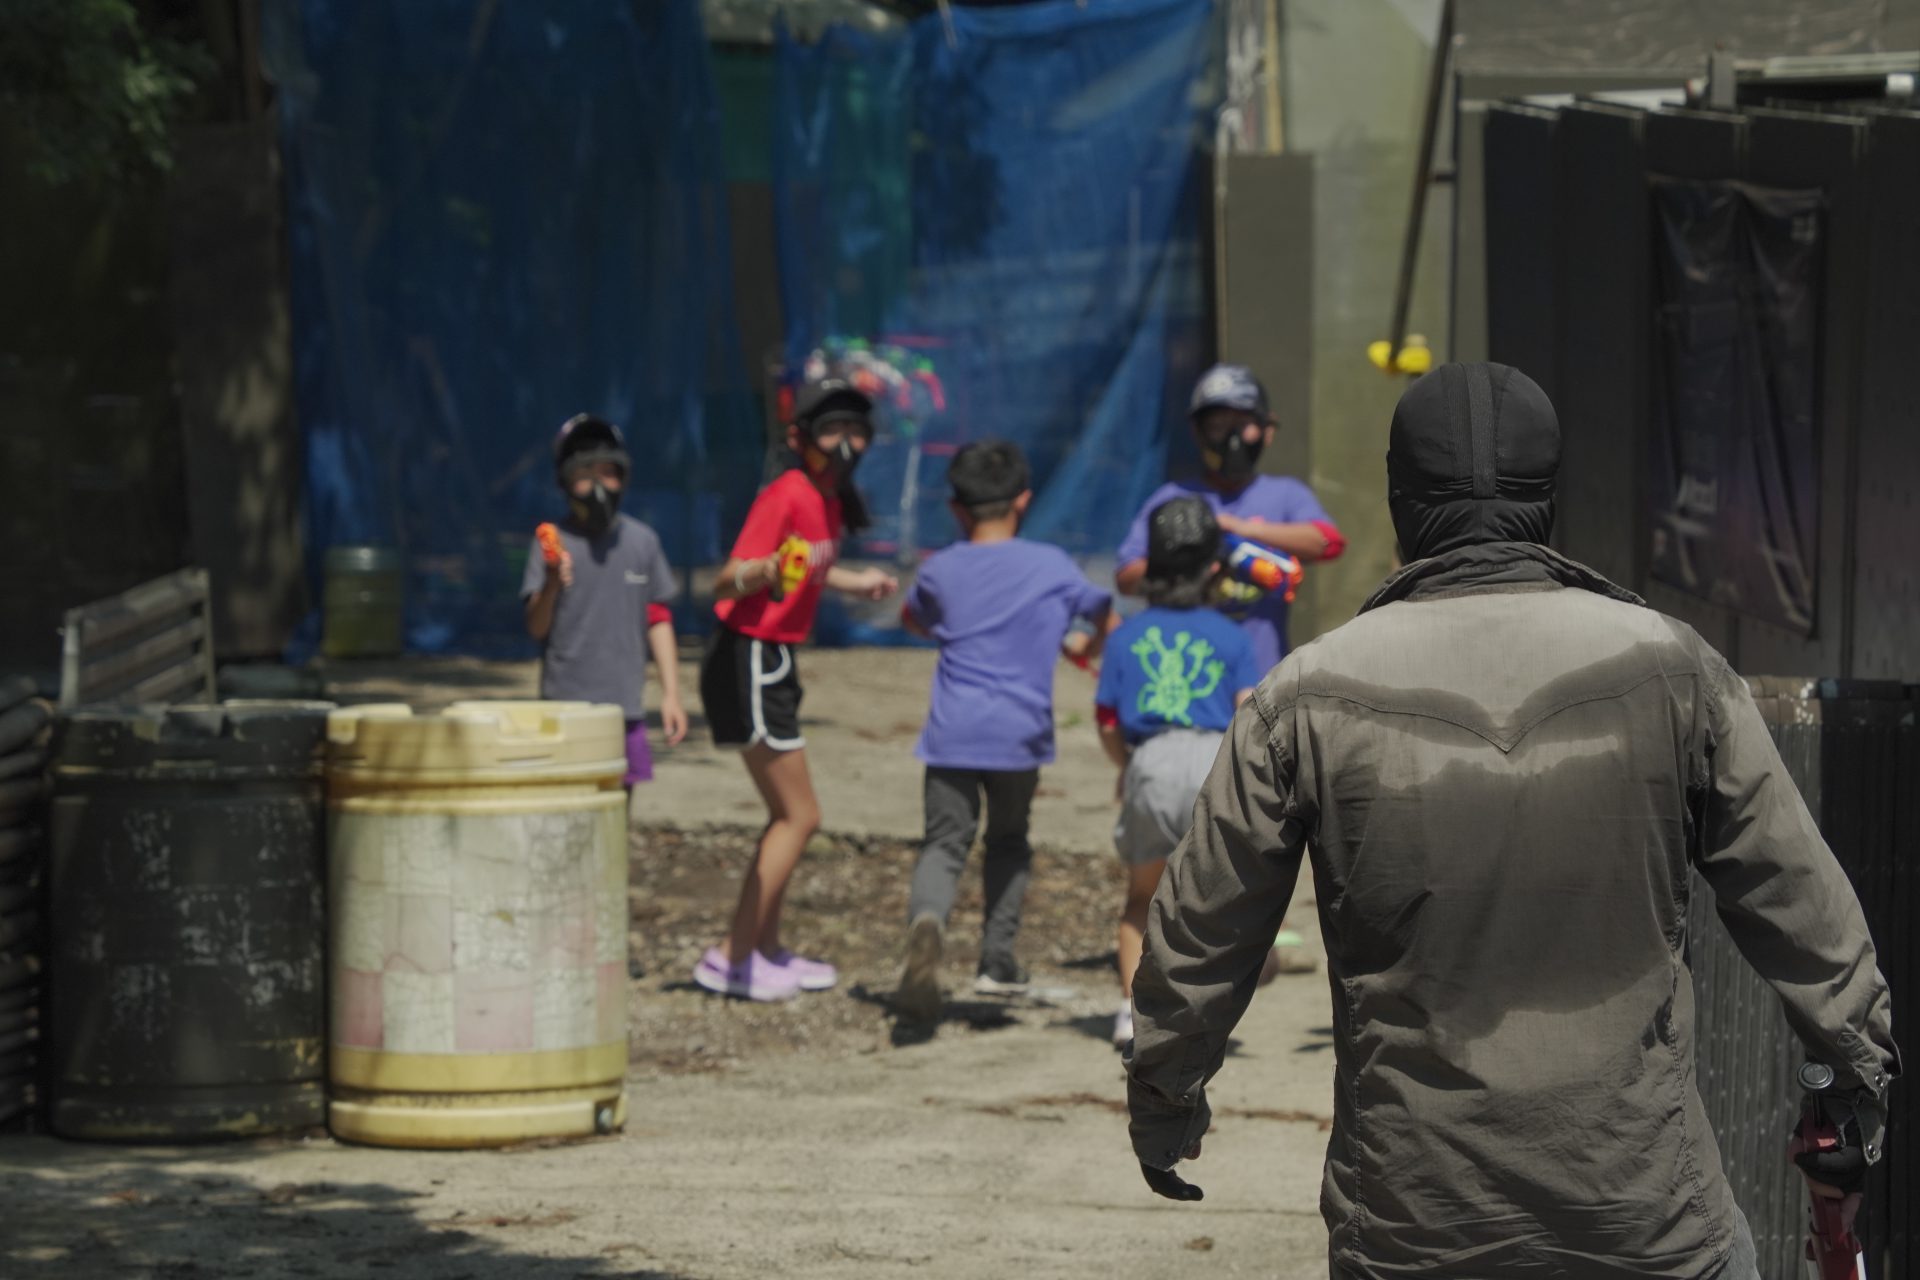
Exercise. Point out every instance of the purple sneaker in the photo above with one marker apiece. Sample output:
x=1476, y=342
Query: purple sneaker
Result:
x=755, y=978
x=812, y=975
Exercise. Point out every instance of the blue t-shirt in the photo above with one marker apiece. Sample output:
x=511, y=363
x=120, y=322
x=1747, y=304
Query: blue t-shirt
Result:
x=1175, y=669
x=999, y=611
x=1281, y=499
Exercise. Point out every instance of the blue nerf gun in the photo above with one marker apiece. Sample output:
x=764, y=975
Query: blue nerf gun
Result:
x=1260, y=566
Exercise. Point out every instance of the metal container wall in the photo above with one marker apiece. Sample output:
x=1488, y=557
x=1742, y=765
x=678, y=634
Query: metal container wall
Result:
x=186, y=969
x=363, y=616
x=23, y=755
x=478, y=882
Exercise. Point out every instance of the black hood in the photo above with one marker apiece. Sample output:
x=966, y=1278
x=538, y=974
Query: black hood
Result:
x=1473, y=457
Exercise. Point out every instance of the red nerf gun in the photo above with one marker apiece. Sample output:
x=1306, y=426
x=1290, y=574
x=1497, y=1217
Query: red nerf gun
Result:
x=1833, y=1251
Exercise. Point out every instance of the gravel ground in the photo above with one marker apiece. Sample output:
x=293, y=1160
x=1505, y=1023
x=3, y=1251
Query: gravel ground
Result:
x=848, y=902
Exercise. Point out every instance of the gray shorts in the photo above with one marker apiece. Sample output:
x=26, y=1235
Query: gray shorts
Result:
x=1157, y=792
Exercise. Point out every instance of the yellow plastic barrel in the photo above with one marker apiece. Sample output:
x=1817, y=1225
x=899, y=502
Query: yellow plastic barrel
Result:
x=477, y=873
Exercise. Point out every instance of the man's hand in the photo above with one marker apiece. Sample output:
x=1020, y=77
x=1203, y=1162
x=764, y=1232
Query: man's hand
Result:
x=1165, y=1182
x=1231, y=524
x=561, y=569
x=1832, y=1175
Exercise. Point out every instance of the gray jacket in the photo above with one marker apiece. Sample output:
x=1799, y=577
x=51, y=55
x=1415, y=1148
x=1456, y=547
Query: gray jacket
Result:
x=1505, y=771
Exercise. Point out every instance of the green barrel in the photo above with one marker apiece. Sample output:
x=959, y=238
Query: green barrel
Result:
x=363, y=615
x=186, y=894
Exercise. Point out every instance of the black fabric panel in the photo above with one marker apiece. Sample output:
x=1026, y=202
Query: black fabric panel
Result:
x=1599, y=208
x=1521, y=242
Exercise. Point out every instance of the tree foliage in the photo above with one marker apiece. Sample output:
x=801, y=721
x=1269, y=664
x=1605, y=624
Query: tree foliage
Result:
x=92, y=93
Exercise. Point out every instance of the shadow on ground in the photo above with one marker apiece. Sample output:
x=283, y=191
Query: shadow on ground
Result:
x=76, y=1211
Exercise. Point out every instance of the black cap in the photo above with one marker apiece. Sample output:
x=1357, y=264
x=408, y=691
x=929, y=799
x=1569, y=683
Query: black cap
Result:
x=585, y=438
x=1229, y=386
x=830, y=400
x=1183, y=538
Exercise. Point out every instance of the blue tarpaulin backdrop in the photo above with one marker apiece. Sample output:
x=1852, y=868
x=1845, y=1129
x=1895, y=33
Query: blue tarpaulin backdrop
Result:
x=501, y=215
x=1015, y=198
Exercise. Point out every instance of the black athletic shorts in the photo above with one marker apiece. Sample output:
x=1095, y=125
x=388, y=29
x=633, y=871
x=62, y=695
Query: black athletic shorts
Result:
x=751, y=691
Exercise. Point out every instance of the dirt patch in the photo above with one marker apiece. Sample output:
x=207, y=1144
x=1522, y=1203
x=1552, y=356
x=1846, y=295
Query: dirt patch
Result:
x=847, y=904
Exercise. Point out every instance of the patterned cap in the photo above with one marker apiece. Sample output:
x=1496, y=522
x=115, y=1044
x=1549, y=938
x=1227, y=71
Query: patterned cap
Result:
x=1229, y=386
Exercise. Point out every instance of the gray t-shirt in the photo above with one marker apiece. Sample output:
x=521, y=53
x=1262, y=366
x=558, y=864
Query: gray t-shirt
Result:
x=597, y=650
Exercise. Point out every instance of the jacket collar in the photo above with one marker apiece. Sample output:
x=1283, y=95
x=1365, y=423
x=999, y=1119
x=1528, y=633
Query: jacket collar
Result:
x=1493, y=566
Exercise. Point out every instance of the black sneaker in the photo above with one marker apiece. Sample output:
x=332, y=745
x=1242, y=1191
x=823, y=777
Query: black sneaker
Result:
x=1001, y=976
x=918, y=995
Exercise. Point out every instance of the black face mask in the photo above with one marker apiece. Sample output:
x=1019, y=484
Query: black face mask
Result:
x=837, y=462
x=1234, y=459
x=595, y=512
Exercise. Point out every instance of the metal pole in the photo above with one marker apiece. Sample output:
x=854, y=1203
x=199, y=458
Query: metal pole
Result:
x=1422, y=176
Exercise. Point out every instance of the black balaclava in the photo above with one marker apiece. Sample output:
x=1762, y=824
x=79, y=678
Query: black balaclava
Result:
x=1473, y=455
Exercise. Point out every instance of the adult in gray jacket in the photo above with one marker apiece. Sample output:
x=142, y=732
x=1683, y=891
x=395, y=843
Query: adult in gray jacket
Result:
x=1505, y=771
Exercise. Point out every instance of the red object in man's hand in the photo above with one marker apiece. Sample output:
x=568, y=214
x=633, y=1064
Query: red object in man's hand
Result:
x=1833, y=1252
x=549, y=539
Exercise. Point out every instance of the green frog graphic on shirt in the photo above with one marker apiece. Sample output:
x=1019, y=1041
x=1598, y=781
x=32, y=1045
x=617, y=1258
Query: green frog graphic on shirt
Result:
x=1177, y=676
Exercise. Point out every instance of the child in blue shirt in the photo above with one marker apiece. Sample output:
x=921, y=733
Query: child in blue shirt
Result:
x=1001, y=608
x=1173, y=677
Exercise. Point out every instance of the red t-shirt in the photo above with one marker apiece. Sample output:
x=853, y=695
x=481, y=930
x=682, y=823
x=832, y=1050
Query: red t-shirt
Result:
x=789, y=506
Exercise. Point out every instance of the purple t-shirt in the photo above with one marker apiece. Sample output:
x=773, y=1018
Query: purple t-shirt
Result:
x=1281, y=499
x=999, y=611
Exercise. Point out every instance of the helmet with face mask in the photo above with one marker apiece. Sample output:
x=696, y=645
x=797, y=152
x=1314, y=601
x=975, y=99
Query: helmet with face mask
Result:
x=822, y=404
x=1233, y=387
x=583, y=441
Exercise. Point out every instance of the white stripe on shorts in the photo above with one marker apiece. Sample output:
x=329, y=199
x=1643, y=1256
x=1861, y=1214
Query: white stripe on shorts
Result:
x=759, y=682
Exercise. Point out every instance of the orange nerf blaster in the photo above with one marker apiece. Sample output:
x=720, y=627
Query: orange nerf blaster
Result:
x=549, y=539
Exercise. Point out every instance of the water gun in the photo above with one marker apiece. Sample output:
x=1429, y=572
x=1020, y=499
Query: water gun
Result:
x=549, y=539
x=796, y=559
x=1833, y=1252
x=1260, y=566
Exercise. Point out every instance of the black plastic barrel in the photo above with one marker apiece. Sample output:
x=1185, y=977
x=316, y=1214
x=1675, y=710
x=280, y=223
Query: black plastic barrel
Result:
x=187, y=972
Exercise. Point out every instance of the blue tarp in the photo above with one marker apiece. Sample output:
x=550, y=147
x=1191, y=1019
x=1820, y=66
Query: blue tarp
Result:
x=501, y=215
x=1016, y=200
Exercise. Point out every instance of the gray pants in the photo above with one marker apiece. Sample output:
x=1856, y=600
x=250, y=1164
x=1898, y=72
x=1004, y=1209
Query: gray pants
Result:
x=953, y=798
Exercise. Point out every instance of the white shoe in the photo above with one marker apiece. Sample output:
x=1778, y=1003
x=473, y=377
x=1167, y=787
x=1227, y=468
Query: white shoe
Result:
x=1123, y=1025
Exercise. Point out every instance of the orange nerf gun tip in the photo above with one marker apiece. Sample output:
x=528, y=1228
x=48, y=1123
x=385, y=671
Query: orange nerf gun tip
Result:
x=549, y=538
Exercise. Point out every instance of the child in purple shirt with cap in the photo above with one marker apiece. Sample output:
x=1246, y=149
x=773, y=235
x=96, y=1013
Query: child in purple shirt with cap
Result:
x=1001, y=608
x=1233, y=425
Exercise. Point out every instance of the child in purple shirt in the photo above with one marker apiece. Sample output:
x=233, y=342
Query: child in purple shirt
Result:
x=1234, y=425
x=1001, y=608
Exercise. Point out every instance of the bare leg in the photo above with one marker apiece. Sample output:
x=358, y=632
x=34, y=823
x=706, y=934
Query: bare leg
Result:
x=793, y=815
x=1141, y=882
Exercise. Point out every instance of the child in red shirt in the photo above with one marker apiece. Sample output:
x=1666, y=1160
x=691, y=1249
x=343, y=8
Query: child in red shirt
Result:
x=766, y=597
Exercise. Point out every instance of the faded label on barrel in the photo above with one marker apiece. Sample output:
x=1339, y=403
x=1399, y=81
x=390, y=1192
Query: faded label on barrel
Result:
x=478, y=933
